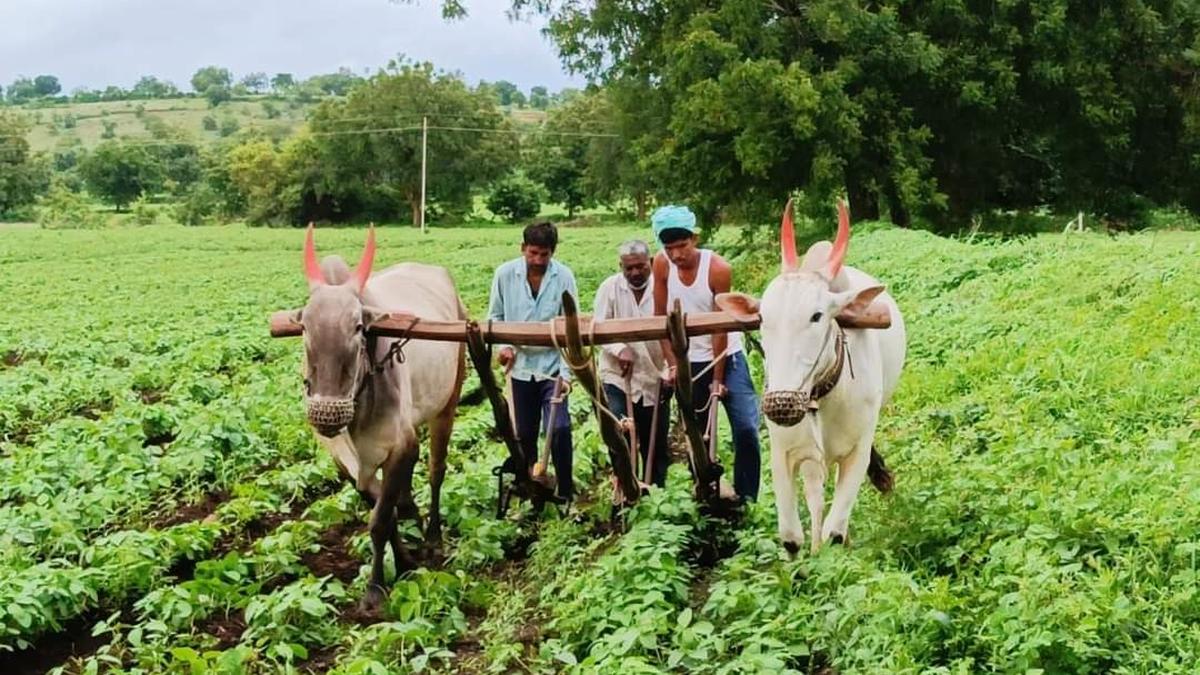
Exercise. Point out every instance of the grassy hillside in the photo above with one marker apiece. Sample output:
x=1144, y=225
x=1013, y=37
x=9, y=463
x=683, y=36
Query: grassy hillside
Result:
x=1045, y=440
x=83, y=124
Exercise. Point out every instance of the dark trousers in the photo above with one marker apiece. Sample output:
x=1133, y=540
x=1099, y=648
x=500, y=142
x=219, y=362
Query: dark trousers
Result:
x=741, y=408
x=531, y=403
x=642, y=418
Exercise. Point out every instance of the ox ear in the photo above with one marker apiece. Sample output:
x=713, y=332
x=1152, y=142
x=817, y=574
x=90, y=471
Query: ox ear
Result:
x=743, y=307
x=853, y=303
x=372, y=316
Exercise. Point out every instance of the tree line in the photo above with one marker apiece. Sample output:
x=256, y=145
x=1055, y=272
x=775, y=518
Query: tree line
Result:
x=942, y=111
x=357, y=158
x=930, y=114
x=218, y=84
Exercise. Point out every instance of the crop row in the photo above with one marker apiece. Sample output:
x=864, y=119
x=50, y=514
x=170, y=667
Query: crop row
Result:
x=41, y=597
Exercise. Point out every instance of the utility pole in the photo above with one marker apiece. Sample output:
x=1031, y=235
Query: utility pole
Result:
x=424, y=140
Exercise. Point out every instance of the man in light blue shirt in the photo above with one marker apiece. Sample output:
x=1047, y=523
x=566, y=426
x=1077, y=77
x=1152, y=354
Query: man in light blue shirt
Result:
x=530, y=288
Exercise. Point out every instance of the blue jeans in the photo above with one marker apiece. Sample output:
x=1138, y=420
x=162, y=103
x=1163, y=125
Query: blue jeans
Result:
x=741, y=409
x=531, y=404
x=642, y=418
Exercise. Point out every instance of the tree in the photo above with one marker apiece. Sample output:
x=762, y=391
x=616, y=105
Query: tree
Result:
x=151, y=87
x=211, y=76
x=217, y=94
x=943, y=110
x=113, y=93
x=377, y=172
x=23, y=177
x=515, y=198
x=539, y=98
x=505, y=91
x=334, y=84
x=120, y=172
x=255, y=82
x=282, y=82
x=21, y=90
x=46, y=85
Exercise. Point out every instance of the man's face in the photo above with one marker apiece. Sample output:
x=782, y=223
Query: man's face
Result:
x=537, y=258
x=682, y=253
x=636, y=268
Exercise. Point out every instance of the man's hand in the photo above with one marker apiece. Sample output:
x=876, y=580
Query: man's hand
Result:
x=625, y=359
x=719, y=389
x=507, y=358
x=668, y=376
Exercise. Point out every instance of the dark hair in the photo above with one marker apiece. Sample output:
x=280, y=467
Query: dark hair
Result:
x=674, y=234
x=542, y=233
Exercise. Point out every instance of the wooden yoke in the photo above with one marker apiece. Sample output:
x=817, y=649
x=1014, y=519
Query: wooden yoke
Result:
x=537, y=333
x=614, y=439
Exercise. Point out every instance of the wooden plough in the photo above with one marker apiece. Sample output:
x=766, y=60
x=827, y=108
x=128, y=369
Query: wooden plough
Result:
x=572, y=333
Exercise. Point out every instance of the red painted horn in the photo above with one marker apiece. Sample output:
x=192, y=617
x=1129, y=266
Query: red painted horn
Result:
x=838, y=254
x=312, y=269
x=787, y=240
x=363, y=272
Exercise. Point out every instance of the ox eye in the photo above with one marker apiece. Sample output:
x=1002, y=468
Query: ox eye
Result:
x=816, y=317
x=358, y=328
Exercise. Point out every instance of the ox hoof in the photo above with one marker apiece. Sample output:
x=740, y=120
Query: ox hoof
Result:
x=373, y=598
x=839, y=539
x=792, y=548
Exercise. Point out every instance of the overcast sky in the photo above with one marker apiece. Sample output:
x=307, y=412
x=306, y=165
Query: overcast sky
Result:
x=94, y=43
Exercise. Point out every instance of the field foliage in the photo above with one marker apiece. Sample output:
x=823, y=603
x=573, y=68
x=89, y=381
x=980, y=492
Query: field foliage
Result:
x=160, y=489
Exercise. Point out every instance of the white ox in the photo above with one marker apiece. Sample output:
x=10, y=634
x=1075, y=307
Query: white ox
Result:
x=822, y=408
x=365, y=401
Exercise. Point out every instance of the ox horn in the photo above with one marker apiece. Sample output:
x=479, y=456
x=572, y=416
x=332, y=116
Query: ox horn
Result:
x=787, y=239
x=363, y=272
x=312, y=269
x=838, y=254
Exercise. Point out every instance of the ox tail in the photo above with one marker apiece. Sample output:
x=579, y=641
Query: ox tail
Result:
x=878, y=472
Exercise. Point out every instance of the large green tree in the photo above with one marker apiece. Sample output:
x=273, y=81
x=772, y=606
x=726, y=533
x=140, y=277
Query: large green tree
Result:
x=211, y=76
x=946, y=109
x=23, y=176
x=121, y=172
x=369, y=145
x=584, y=157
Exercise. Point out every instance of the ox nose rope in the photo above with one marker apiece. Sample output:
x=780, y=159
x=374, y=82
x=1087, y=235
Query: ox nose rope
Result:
x=787, y=407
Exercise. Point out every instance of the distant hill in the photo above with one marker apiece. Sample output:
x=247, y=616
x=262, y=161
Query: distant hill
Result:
x=72, y=125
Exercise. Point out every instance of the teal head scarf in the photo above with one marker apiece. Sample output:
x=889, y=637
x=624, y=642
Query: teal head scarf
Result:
x=672, y=217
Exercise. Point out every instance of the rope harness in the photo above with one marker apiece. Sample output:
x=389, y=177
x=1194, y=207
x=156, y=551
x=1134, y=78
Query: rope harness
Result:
x=786, y=407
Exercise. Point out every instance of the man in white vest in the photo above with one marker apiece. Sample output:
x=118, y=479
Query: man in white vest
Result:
x=695, y=276
x=632, y=371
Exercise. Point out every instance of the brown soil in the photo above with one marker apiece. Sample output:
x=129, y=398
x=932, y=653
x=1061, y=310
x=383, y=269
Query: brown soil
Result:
x=319, y=660
x=75, y=640
x=12, y=359
x=190, y=512
x=227, y=629
x=150, y=396
x=334, y=557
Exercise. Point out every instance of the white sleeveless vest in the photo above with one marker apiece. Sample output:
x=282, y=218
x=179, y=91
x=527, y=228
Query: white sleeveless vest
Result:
x=697, y=298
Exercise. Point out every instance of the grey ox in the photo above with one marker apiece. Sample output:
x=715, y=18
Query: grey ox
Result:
x=366, y=400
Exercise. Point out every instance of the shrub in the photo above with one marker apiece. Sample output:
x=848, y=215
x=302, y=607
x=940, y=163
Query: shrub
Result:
x=62, y=209
x=515, y=198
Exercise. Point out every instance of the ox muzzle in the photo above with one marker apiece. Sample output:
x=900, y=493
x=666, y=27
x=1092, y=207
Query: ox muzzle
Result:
x=330, y=416
x=786, y=407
